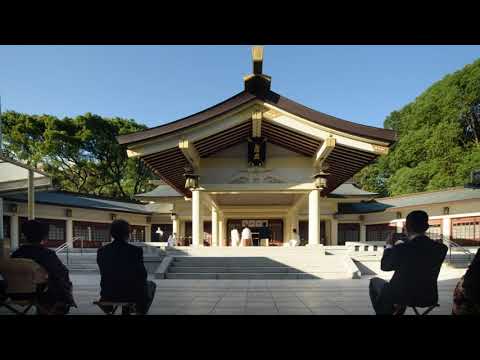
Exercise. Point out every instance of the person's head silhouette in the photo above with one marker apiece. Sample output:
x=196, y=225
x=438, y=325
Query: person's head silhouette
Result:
x=417, y=222
x=120, y=230
x=35, y=231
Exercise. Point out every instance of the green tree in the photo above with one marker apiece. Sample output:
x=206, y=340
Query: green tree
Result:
x=438, y=139
x=81, y=154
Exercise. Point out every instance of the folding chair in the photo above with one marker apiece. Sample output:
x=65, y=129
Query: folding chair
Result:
x=415, y=310
x=128, y=308
x=26, y=281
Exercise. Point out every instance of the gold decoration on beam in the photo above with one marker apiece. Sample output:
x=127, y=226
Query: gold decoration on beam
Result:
x=381, y=150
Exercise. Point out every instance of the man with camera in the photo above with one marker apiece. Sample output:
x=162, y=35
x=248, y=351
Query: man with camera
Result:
x=416, y=260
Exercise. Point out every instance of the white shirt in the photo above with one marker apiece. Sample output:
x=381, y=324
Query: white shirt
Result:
x=246, y=234
x=235, y=236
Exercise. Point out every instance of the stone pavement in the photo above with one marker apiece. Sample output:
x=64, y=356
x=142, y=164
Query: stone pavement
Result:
x=256, y=297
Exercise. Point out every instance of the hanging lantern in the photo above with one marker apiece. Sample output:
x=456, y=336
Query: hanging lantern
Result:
x=320, y=179
x=191, y=179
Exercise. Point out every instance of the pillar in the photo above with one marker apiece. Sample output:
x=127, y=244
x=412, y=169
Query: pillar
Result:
x=214, y=226
x=399, y=227
x=14, y=233
x=148, y=233
x=314, y=217
x=197, y=219
x=447, y=228
x=31, y=196
x=363, y=233
x=334, y=232
x=69, y=232
x=176, y=227
x=221, y=231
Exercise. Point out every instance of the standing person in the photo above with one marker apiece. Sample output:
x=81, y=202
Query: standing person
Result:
x=265, y=234
x=172, y=239
x=235, y=237
x=295, y=240
x=59, y=295
x=416, y=262
x=466, y=297
x=123, y=274
x=246, y=236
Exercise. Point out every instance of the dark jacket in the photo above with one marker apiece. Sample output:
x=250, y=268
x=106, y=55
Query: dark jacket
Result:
x=59, y=284
x=123, y=274
x=417, y=264
x=264, y=233
x=471, y=280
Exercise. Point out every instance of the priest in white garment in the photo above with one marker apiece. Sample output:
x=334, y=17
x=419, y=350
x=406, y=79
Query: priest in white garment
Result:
x=246, y=236
x=235, y=237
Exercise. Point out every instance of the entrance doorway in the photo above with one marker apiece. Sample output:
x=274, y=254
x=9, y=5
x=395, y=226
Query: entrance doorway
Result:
x=303, y=232
x=275, y=226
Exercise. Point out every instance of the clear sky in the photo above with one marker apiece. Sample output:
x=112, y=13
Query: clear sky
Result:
x=158, y=84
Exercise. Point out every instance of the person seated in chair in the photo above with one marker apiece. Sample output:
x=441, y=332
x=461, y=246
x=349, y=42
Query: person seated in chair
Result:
x=58, y=297
x=416, y=261
x=123, y=274
x=466, y=297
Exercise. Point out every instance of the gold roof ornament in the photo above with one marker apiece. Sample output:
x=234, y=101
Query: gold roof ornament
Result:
x=257, y=83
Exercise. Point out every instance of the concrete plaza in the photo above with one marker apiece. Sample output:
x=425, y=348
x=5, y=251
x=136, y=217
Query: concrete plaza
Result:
x=258, y=297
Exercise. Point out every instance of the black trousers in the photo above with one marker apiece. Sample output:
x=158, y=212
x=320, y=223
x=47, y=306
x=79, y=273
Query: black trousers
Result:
x=144, y=304
x=3, y=289
x=379, y=297
x=256, y=242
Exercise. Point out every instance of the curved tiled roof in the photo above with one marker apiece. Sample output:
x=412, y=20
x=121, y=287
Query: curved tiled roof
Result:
x=81, y=201
x=269, y=97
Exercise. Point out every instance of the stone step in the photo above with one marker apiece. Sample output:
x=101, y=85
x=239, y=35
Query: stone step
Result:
x=195, y=270
x=240, y=276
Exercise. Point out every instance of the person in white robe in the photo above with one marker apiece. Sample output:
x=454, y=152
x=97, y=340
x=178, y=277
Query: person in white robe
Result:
x=172, y=239
x=246, y=236
x=235, y=237
x=295, y=239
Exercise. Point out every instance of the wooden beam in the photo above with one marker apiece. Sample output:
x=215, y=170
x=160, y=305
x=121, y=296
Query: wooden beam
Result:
x=190, y=153
x=325, y=150
x=257, y=124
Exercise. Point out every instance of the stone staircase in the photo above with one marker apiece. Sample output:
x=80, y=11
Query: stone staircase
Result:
x=255, y=263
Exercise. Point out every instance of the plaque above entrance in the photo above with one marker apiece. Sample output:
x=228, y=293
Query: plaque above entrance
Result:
x=256, y=176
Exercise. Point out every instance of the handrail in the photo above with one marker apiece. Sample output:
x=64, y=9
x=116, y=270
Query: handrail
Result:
x=451, y=244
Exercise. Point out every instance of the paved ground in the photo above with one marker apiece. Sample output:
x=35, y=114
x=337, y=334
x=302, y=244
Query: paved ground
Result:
x=256, y=297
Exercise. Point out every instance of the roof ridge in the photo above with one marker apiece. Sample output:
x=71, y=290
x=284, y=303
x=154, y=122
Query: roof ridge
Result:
x=93, y=196
x=422, y=192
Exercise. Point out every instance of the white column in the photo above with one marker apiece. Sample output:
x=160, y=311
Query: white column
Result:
x=214, y=226
x=69, y=232
x=221, y=231
x=197, y=219
x=176, y=226
x=148, y=233
x=447, y=228
x=314, y=217
x=31, y=196
x=363, y=233
x=399, y=226
x=334, y=232
x=14, y=234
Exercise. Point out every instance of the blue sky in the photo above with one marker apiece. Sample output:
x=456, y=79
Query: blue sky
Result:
x=158, y=84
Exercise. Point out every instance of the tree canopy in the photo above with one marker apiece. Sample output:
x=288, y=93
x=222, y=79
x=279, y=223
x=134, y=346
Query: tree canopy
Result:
x=438, y=139
x=81, y=154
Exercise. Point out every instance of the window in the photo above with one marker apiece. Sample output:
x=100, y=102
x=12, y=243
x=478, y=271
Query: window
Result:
x=91, y=235
x=137, y=233
x=435, y=231
x=379, y=232
x=348, y=232
x=466, y=231
x=56, y=231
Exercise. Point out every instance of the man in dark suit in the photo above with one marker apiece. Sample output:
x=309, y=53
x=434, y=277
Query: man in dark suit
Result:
x=58, y=298
x=264, y=235
x=416, y=261
x=123, y=274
